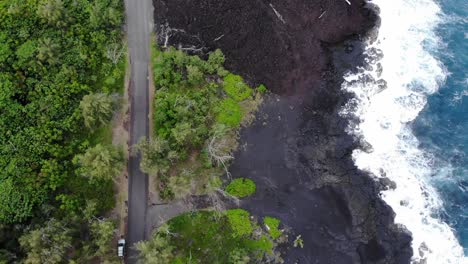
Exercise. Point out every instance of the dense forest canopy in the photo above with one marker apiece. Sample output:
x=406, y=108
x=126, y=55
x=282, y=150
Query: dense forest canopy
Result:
x=52, y=54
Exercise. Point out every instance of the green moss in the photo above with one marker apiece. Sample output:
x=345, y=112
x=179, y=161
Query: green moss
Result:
x=236, y=88
x=240, y=222
x=272, y=226
x=241, y=187
x=229, y=113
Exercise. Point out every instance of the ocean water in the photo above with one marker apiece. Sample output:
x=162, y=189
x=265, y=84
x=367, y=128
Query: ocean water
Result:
x=442, y=126
x=411, y=107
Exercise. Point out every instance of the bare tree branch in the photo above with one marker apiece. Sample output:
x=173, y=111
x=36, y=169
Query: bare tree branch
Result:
x=280, y=17
x=114, y=52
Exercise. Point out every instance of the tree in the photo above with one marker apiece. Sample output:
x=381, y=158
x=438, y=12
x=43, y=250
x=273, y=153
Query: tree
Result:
x=194, y=75
x=105, y=13
x=52, y=11
x=218, y=148
x=16, y=204
x=47, y=51
x=97, y=109
x=5, y=50
x=156, y=155
x=100, y=162
x=47, y=244
x=215, y=63
x=157, y=250
x=181, y=184
x=26, y=51
x=183, y=133
x=102, y=231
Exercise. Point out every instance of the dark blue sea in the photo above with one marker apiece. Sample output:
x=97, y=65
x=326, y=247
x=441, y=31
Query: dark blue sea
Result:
x=442, y=126
x=410, y=105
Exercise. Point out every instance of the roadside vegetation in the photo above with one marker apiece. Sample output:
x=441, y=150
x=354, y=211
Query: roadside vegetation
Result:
x=229, y=237
x=199, y=108
x=62, y=67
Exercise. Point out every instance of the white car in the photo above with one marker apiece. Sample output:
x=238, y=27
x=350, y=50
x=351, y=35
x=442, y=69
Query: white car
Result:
x=121, y=248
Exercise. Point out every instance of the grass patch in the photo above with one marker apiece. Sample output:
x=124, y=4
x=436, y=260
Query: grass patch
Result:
x=229, y=113
x=241, y=187
x=272, y=225
x=240, y=222
x=236, y=88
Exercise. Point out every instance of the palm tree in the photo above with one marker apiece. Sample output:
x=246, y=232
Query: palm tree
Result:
x=100, y=162
x=97, y=109
x=52, y=11
x=47, y=51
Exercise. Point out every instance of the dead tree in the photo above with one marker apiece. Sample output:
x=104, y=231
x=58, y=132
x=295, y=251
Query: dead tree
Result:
x=218, y=154
x=114, y=52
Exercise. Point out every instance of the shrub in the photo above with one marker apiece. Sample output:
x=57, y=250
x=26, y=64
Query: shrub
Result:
x=261, y=88
x=240, y=222
x=241, y=187
x=236, y=88
x=272, y=226
x=229, y=113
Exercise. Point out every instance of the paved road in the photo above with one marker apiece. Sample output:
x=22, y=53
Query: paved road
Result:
x=139, y=26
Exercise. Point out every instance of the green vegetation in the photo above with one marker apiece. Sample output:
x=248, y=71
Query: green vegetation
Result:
x=209, y=237
x=97, y=109
x=298, y=242
x=229, y=113
x=241, y=187
x=47, y=244
x=236, y=88
x=100, y=162
x=198, y=110
x=272, y=226
x=261, y=88
x=240, y=222
x=61, y=61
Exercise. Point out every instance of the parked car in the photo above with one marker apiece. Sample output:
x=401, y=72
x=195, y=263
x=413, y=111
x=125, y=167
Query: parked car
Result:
x=121, y=248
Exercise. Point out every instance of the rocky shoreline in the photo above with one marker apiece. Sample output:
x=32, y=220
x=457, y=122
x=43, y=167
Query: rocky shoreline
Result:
x=297, y=150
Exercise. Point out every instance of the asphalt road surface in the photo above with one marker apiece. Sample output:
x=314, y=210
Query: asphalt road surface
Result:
x=139, y=15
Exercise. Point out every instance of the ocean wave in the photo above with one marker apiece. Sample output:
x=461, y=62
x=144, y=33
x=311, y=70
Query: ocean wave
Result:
x=389, y=94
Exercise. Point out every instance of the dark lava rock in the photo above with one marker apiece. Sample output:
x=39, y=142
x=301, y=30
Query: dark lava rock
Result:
x=297, y=150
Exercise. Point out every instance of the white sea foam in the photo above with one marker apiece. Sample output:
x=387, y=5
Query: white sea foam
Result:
x=411, y=74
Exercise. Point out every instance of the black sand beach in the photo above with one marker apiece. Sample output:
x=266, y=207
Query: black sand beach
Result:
x=297, y=150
